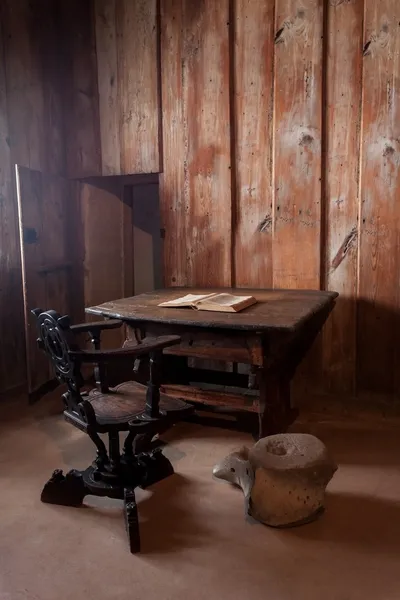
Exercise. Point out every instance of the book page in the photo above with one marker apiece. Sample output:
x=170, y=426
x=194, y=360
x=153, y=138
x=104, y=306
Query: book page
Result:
x=226, y=299
x=187, y=300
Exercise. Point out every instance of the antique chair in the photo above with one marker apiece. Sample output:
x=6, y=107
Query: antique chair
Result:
x=129, y=407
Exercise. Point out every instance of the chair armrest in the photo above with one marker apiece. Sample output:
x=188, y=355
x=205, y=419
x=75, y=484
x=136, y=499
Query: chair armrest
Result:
x=96, y=326
x=145, y=347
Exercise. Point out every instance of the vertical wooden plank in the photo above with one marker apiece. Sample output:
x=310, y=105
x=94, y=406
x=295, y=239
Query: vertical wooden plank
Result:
x=109, y=100
x=55, y=273
x=24, y=86
x=196, y=184
x=32, y=227
x=297, y=157
x=34, y=84
x=128, y=272
x=47, y=257
x=342, y=126
x=58, y=290
x=253, y=111
x=297, y=210
x=103, y=235
x=12, y=343
x=172, y=180
x=46, y=45
x=81, y=102
x=75, y=248
x=147, y=247
x=138, y=85
x=33, y=114
x=380, y=200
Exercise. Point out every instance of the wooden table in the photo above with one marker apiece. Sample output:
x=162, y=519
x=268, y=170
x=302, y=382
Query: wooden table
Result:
x=272, y=337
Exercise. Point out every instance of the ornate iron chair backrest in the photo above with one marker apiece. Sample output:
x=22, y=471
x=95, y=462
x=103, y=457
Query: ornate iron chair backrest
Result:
x=56, y=340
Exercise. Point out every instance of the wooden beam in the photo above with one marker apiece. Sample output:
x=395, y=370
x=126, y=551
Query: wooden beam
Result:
x=212, y=397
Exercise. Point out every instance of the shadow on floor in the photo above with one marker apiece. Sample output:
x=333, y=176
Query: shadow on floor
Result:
x=354, y=447
x=166, y=517
x=355, y=520
x=170, y=510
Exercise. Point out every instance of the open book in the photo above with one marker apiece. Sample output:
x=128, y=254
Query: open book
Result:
x=215, y=302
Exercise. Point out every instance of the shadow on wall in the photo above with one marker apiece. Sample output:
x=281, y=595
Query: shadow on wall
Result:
x=147, y=242
x=357, y=351
x=378, y=352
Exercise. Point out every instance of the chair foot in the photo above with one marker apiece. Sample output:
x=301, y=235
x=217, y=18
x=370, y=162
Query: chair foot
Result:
x=131, y=520
x=156, y=467
x=66, y=490
x=142, y=443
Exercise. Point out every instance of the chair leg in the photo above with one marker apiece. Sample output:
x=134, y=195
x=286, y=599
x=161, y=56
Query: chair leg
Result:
x=156, y=467
x=114, y=452
x=131, y=520
x=142, y=443
x=137, y=441
x=128, y=450
x=102, y=456
x=66, y=490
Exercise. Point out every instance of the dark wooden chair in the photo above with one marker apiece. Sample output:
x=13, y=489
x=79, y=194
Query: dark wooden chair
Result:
x=129, y=407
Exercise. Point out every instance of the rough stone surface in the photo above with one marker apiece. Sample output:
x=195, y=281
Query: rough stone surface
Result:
x=283, y=477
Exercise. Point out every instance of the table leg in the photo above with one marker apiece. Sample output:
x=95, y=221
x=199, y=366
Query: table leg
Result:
x=275, y=411
x=283, y=358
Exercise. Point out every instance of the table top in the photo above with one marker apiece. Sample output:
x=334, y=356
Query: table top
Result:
x=275, y=309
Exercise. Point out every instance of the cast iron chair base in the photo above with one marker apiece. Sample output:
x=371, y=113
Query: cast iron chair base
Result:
x=141, y=470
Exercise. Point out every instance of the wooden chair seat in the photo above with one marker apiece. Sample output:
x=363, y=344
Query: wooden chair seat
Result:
x=125, y=402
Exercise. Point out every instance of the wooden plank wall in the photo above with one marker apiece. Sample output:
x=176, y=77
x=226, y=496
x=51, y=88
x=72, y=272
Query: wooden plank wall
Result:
x=47, y=205
x=31, y=135
x=196, y=182
x=254, y=32
x=81, y=100
x=274, y=123
x=297, y=147
x=52, y=119
x=342, y=120
x=104, y=221
x=126, y=41
x=314, y=195
x=11, y=341
x=379, y=291
x=111, y=102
